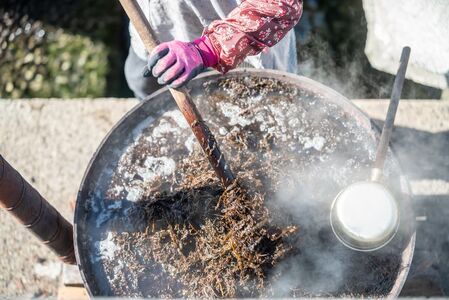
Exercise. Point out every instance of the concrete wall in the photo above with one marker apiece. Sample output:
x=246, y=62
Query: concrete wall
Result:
x=51, y=142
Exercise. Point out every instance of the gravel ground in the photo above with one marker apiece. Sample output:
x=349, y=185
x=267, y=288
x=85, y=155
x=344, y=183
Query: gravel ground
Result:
x=51, y=142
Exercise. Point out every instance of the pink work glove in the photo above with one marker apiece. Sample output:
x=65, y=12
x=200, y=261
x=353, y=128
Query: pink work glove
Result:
x=175, y=63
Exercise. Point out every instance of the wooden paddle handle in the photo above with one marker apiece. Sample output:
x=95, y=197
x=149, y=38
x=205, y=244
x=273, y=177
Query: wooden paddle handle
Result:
x=182, y=98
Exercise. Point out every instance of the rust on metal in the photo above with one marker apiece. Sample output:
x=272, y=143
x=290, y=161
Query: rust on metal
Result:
x=20, y=199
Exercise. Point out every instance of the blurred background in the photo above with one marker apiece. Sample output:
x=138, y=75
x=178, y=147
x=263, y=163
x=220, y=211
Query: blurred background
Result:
x=77, y=48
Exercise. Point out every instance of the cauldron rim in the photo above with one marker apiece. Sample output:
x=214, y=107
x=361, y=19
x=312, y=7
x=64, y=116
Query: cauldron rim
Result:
x=293, y=79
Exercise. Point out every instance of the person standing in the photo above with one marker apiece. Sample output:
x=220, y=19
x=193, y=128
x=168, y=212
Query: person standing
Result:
x=220, y=34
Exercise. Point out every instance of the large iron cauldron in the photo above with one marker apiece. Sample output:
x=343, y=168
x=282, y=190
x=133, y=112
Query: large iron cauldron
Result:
x=333, y=139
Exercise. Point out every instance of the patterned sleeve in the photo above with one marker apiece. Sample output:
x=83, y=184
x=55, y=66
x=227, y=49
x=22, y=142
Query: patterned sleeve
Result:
x=250, y=28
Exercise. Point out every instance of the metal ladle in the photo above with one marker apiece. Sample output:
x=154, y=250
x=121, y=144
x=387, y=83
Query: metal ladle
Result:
x=365, y=215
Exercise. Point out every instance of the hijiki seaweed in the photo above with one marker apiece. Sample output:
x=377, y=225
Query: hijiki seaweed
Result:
x=210, y=241
x=195, y=238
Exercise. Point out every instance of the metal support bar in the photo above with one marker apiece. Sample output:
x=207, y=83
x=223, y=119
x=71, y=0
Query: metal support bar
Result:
x=20, y=199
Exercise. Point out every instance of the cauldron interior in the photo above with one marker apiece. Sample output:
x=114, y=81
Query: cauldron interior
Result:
x=111, y=186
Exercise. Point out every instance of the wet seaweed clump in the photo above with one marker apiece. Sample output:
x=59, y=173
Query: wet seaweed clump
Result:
x=210, y=241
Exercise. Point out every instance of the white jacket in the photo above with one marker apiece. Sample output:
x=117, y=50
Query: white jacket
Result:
x=185, y=20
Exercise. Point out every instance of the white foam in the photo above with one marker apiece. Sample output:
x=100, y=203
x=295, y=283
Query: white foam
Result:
x=234, y=113
x=164, y=128
x=133, y=194
x=107, y=247
x=178, y=117
x=142, y=125
x=367, y=211
x=154, y=167
x=190, y=143
x=316, y=142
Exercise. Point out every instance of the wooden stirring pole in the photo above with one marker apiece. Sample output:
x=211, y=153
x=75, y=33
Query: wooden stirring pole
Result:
x=182, y=98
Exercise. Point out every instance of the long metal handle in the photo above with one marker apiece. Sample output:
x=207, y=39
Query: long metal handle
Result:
x=20, y=199
x=182, y=98
x=387, y=130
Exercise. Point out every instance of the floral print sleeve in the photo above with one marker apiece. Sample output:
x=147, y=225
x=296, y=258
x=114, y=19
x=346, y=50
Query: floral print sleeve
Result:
x=250, y=28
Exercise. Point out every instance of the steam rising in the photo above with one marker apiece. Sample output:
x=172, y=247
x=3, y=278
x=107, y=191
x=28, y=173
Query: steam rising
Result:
x=324, y=148
x=323, y=266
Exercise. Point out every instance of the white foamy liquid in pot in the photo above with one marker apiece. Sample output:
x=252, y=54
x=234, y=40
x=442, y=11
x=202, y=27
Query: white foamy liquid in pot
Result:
x=367, y=211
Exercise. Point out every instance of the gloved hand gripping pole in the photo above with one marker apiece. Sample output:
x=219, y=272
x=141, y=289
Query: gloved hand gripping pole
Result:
x=182, y=98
